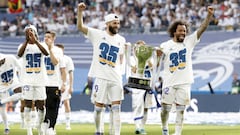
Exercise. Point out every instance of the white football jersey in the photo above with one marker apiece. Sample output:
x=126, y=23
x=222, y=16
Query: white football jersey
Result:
x=53, y=71
x=177, y=60
x=33, y=67
x=106, y=54
x=8, y=73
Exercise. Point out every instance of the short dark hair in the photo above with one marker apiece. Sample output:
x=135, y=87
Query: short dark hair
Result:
x=51, y=33
x=173, y=27
x=60, y=45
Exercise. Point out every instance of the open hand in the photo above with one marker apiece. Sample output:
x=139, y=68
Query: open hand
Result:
x=31, y=36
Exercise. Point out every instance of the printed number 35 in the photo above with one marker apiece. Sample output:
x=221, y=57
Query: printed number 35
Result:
x=178, y=58
x=108, y=54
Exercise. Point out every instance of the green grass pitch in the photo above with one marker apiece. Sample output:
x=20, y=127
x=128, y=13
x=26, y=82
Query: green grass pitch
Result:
x=128, y=129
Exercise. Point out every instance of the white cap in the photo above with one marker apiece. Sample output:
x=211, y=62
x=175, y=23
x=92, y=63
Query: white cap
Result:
x=111, y=17
x=31, y=27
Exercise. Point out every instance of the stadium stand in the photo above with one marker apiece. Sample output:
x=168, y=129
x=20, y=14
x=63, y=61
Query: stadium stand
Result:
x=137, y=16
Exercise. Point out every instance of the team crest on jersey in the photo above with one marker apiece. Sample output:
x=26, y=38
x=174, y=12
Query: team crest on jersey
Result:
x=26, y=88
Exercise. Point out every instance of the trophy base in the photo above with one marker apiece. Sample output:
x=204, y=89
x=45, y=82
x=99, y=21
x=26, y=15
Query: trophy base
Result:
x=138, y=83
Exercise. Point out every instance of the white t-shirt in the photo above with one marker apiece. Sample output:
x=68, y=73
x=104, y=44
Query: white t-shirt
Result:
x=177, y=61
x=8, y=73
x=53, y=71
x=106, y=55
x=69, y=66
x=34, y=71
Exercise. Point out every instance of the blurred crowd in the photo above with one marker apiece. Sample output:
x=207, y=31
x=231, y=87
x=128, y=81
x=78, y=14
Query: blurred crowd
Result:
x=137, y=16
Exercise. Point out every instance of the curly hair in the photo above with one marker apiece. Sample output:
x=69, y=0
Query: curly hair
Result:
x=173, y=27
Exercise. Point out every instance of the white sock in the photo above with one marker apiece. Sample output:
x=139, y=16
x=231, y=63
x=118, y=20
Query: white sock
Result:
x=4, y=117
x=98, y=117
x=102, y=120
x=34, y=117
x=165, y=115
x=41, y=116
x=138, y=123
x=22, y=116
x=111, y=129
x=27, y=116
x=179, y=119
x=144, y=120
x=22, y=120
x=68, y=118
x=116, y=119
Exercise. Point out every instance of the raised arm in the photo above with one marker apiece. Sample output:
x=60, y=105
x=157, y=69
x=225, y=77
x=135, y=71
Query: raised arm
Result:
x=54, y=60
x=22, y=49
x=34, y=39
x=206, y=21
x=80, y=25
x=42, y=49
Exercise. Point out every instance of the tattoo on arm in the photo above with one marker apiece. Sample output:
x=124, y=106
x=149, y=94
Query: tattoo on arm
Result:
x=203, y=26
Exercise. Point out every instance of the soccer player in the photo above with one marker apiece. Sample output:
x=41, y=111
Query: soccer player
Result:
x=9, y=66
x=90, y=82
x=33, y=74
x=108, y=57
x=177, y=72
x=55, y=66
x=67, y=94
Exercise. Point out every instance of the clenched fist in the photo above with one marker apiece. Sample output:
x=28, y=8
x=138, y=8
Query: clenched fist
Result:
x=81, y=6
x=211, y=10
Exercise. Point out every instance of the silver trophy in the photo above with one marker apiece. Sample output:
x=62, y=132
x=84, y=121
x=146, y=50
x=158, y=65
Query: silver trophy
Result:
x=142, y=53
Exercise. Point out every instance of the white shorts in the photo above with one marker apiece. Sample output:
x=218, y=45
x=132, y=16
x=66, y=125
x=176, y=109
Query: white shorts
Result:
x=105, y=91
x=179, y=94
x=34, y=92
x=93, y=98
x=141, y=97
x=65, y=95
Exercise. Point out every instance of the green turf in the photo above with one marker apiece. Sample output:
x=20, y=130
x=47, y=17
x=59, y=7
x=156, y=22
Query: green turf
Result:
x=128, y=129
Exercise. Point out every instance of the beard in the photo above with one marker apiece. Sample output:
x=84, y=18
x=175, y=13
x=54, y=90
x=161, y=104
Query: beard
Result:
x=2, y=61
x=113, y=30
x=180, y=39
